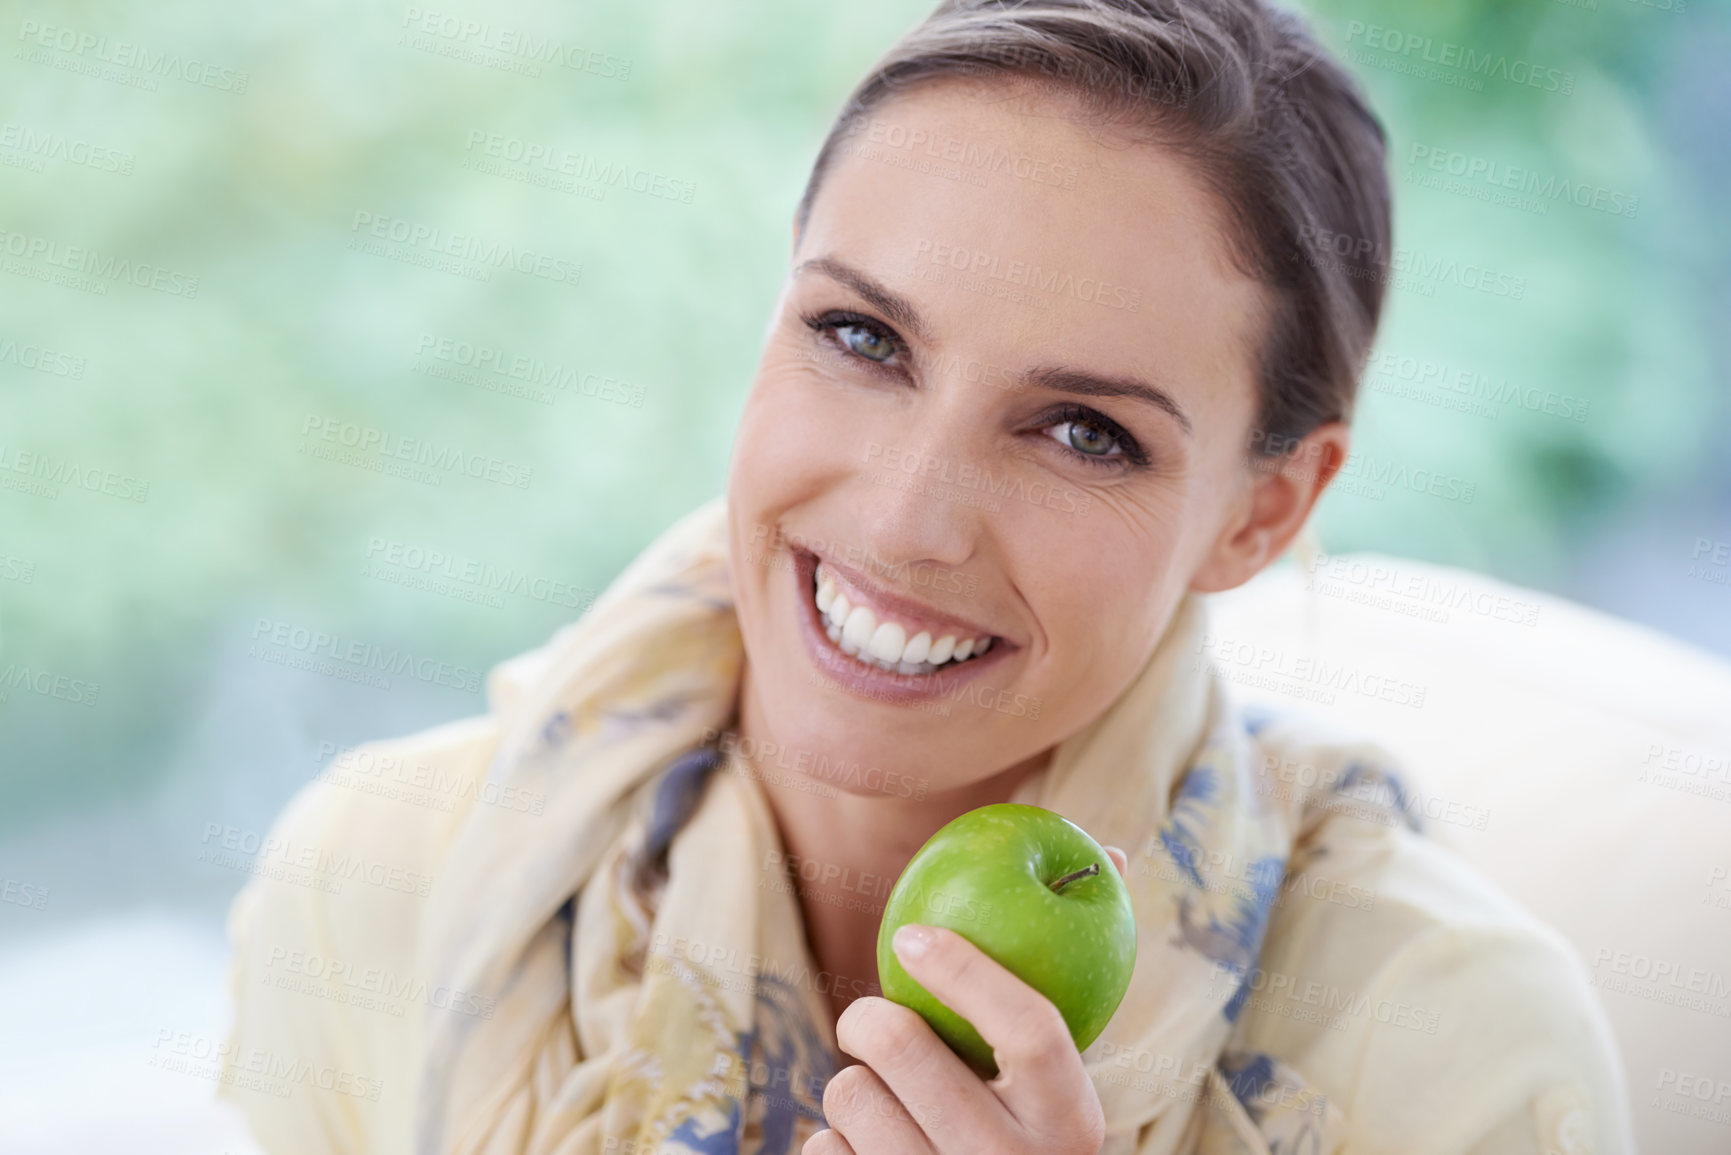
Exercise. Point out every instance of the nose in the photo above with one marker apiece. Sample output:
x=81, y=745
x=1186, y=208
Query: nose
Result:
x=922, y=497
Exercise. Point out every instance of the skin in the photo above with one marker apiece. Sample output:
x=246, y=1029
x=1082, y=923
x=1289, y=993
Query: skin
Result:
x=1080, y=589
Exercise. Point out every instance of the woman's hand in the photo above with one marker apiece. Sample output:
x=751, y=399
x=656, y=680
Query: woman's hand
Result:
x=911, y=1095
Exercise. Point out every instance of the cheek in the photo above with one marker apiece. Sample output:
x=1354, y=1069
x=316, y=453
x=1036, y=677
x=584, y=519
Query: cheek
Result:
x=1105, y=586
x=785, y=454
x=791, y=435
x=1113, y=620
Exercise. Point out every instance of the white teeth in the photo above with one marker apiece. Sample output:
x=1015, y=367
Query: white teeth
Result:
x=859, y=627
x=887, y=642
x=856, y=631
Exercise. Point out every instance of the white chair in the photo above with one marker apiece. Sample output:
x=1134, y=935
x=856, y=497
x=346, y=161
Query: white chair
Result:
x=1580, y=761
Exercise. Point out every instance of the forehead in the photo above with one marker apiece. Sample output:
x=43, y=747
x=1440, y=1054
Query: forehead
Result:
x=1007, y=205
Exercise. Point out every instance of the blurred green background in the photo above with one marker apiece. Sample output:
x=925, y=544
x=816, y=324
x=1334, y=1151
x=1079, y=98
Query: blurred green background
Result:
x=250, y=172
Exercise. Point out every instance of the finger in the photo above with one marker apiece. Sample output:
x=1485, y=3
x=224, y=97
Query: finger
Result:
x=859, y=1105
x=932, y=1085
x=1120, y=860
x=827, y=1142
x=1040, y=1078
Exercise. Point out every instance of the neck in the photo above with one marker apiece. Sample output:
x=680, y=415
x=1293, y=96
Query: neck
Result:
x=845, y=851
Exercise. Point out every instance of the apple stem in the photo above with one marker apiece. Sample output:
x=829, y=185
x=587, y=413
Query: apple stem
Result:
x=1088, y=871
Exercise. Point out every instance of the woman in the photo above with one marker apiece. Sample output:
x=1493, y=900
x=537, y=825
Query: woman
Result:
x=1050, y=361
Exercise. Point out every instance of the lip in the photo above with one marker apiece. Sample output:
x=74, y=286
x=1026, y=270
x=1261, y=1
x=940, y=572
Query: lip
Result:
x=867, y=681
x=908, y=608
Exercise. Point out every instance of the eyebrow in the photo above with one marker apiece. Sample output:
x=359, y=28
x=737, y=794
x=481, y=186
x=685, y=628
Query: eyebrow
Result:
x=893, y=305
x=901, y=311
x=1093, y=385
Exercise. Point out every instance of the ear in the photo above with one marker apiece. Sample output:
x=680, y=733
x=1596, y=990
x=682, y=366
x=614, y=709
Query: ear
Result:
x=1279, y=493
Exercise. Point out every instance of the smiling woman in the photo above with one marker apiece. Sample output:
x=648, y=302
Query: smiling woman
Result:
x=1049, y=363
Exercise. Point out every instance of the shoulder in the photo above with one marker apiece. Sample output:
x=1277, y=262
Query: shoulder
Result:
x=1437, y=1013
x=323, y=985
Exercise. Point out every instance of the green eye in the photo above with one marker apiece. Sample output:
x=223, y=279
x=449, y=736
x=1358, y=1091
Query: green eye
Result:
x=872, y=346
x=1086, y=437
x=1096, y=439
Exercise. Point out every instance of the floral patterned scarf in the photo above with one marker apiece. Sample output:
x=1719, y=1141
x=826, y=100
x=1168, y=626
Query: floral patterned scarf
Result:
x=653, y=988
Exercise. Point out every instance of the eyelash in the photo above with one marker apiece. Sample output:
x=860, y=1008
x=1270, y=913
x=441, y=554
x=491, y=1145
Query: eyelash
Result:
x=1128, y=446
x=829, y=322
x=826, y=323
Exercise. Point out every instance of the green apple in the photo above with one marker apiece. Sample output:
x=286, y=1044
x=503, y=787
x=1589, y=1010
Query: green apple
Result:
x=1032, y=890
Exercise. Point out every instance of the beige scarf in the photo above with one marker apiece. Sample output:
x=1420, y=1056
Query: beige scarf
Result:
x=654, y=993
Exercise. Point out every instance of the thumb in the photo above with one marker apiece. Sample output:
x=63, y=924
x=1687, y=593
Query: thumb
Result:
x=1119, y=859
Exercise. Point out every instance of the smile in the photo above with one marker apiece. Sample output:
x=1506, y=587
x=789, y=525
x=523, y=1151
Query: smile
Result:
x=883, y=646
x=875, y=635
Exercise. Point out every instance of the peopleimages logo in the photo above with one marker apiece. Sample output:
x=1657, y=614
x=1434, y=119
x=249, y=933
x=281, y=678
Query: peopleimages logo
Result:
x=88, y=262
x=807, y=763
x=1279, y=993
x=920, y=575
x=515, y=45
x=1544, y=187
x=539, y=377
x=253, y=1068
x=482, y=575
x=48, y=684
x=1278, y=670
x=342, y=978
x=1382, y=585
x=716, y=962
x=1373, y=471
x=361, y=440
x=968, y=476
x=39, y=146
x=1359, y=258
x=583, y=167
x=966, y=155
x=1471, y=384
x=357, y=655
x=50, y=472
x=1448, y=54
x=991, y=267
x=387, y=775
x=86, y=47
x=331, y=866
x=23, y=894
x=1663, y=980
x=55, y=364
x=432, y=242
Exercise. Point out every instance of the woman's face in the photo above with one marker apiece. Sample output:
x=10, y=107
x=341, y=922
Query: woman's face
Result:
x=1006, y=395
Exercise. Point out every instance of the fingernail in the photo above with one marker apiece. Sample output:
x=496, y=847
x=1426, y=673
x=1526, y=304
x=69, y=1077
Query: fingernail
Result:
x=912, y=941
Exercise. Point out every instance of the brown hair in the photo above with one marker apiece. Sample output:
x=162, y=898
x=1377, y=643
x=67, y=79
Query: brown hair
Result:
x=1278, y=131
